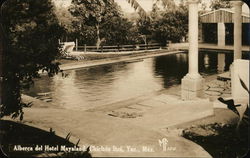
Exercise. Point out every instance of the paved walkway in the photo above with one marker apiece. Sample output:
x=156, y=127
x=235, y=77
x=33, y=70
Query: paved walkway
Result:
x=135, y=129
x=207, y=47
x=154, y=53
x=162, y=111
x=217, y=88
x=97, y=129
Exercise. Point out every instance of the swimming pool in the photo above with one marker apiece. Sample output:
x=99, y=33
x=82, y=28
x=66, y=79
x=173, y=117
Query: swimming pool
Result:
x=94, y=86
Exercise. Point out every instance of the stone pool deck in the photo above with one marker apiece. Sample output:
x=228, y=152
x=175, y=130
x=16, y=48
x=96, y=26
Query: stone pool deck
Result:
x=135, y=126
x=128, y=58
x=98, y=128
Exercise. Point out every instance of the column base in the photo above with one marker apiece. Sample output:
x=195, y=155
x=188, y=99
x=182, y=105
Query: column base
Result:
x=192, y=87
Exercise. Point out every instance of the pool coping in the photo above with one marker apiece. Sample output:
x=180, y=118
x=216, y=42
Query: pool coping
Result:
x=71, y=66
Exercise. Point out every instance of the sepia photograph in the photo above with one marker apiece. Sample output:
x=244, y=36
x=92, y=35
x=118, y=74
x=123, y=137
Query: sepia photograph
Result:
x=124, y=78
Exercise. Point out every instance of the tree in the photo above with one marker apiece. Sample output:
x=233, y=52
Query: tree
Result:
x=31, y=34
x=171, y=27
x=67, y=21
x=99, y=12
x=170, y=24
x=138, y=8
x=105, y=19
x=93, y=13
x=217, y=4
x=145, y=25
x=144, y=28
x=1, y=56
x=143, y=13
x=118, y=30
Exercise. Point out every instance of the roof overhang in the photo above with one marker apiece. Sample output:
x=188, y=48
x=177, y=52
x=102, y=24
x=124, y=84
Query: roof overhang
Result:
x=222, y=15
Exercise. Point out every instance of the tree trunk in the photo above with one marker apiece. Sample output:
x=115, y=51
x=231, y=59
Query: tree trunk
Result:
x=98, y=42
x=145, y=40
x=1, y=58
x=1, y=65
x=144, y=37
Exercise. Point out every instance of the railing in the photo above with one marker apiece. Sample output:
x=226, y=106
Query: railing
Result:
x=119, y=48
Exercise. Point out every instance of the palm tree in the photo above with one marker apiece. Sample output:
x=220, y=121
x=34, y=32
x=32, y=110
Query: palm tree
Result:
x=143, y=13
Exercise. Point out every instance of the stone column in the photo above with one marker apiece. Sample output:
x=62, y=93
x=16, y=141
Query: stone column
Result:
x=236, y=68
x=200, y=34
x=221, y=33
x=237, y=5
x=192, y=84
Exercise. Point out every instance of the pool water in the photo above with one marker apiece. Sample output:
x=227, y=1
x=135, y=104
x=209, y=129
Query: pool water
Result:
x=94, y=86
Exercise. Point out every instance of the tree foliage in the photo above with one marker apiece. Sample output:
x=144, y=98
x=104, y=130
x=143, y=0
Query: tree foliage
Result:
x=138, y=8
x=217, y=4
x=119, y=31
x=172, y=27
x=170, y=24
x=143, y=13
x=66, y=20
x=31, y=32
x=93, y=13
x=101, y=22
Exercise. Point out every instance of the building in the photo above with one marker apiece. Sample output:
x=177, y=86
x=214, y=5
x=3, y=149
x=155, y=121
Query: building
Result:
x=217, y=27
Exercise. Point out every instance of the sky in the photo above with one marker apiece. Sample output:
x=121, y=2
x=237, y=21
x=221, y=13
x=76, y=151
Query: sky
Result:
x=146, y=4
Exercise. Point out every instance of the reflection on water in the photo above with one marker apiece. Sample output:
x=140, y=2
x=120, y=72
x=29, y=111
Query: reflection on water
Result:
x=88, y=87
x=221, y=62
x=171, y=68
